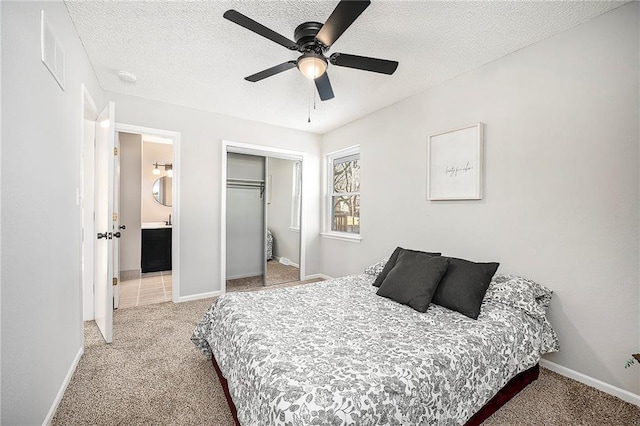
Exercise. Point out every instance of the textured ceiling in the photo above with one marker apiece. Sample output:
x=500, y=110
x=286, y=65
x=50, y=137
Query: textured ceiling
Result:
x=186, y=53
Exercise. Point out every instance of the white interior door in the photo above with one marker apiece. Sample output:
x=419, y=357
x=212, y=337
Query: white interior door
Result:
x=103, y=252
x=116, y=223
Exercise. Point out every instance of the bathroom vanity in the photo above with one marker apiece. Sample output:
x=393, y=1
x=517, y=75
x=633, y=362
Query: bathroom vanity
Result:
x=156, y=247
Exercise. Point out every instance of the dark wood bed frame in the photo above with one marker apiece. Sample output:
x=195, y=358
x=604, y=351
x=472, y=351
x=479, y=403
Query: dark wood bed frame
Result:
x=510, y=390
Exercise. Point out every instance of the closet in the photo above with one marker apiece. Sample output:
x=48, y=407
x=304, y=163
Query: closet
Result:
x=263, y=199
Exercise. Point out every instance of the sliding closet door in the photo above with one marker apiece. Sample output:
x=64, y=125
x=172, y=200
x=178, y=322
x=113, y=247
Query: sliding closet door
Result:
x=283, y=176
x=245, y=217
x=284, y=184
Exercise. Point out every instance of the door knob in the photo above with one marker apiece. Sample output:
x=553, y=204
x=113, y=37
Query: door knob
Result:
x=102, y=235
x=117, y=234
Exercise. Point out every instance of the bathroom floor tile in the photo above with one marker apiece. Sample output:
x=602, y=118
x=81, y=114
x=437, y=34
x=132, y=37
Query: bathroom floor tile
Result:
x=150, y=288
x=150, y=299
x=127, y=302
x=151, y=282
x=149, y=302
x=129, y=285
x=128, y=294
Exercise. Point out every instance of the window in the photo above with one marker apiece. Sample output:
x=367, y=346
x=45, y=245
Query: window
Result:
x=343, y=195
x=296, y=196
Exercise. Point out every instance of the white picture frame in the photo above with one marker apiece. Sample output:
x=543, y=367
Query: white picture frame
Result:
x=455, y=164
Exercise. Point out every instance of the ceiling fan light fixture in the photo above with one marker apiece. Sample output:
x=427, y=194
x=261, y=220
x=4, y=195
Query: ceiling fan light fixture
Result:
x=312, y=65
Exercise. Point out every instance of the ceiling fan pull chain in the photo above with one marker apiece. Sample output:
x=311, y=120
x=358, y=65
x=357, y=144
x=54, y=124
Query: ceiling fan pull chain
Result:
x=310, y=94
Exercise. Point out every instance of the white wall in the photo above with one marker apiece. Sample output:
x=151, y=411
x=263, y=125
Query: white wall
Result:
x=286, y=241
x=130, y=201
x=0, y=212
x=42, y=137
x=245, y=218
x=201, y=139
x=561, y=189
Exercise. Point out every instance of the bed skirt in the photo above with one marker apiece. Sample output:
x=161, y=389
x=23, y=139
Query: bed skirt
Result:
x=511, y=389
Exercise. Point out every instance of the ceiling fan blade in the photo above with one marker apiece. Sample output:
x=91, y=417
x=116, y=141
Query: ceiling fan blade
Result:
x=258, y=28
x=271, y=71
x=324, y=87
x=365, y=63
x=341, y=18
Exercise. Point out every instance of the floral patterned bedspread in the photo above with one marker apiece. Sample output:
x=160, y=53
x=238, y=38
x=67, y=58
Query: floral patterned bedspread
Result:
x=335, y=353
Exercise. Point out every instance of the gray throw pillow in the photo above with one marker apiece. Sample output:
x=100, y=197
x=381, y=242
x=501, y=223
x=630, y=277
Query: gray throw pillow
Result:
x=392, y=261
x=414, y=279
x=464, y=285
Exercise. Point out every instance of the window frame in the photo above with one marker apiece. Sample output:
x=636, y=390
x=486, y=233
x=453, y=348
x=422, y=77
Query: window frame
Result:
x=329, y=194
x=296, y=197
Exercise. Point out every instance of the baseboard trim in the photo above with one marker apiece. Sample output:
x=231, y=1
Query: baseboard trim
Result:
x=199, y=296
x=131, y=274
x=295, y=265
x=624, y=395
x=63, y=388
x=314, y=276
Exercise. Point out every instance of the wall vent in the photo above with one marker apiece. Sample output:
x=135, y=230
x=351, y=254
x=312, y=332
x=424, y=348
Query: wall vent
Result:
x=52, y=51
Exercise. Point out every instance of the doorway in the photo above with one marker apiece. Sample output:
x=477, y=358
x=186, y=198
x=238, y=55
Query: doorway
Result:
x=146, y=211
x=91, y=170
x=262, y=236
x=90, y=115
x=154, y=214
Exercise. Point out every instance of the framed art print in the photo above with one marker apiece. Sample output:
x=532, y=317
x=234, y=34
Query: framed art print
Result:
x=454, y=164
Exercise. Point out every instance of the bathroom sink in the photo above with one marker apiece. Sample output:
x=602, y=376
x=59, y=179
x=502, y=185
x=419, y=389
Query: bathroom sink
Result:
x=154, y=225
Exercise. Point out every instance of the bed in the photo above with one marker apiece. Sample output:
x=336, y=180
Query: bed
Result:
x=337, y=353
x=269, y=255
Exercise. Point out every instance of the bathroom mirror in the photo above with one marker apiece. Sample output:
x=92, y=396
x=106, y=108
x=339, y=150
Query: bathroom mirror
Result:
x=163, y=190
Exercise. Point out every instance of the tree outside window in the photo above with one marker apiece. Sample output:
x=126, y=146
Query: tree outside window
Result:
x=345, y=192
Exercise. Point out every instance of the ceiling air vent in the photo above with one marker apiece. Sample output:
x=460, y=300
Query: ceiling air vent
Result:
x=52, y=52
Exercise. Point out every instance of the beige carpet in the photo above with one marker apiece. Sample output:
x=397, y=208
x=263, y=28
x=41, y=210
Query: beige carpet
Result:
x=150, y=374
x=277, y=273
x=153, y=374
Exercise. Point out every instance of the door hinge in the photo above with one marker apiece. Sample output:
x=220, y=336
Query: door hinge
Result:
x=115, y=281
x=115, y=217
x=115, y=150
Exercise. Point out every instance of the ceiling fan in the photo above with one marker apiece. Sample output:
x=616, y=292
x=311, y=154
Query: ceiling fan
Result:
x=313, y=40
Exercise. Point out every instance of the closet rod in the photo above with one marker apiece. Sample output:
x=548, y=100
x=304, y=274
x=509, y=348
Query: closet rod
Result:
x=252, y=183
x=245, y=180
x=246, y=183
